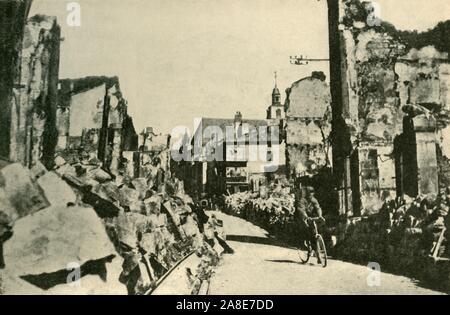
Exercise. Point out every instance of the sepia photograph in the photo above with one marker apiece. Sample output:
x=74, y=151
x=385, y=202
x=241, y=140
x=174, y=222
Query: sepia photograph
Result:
x=224, y=148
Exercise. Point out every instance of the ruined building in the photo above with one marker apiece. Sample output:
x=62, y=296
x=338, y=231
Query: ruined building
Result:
x=29, y=80
x=123, y=234
x=307, y=125
x=424, y=82
x=13, y=18
x=385, y=101
x=152, y=158
x=92, y=119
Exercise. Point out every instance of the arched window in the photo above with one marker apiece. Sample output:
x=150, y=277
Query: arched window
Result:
x=278, y=113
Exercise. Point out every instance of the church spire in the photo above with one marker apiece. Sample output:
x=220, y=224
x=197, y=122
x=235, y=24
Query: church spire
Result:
x=276, y=95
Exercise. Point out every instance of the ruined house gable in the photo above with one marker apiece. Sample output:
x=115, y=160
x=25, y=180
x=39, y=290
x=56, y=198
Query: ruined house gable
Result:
x=308, y=98
x=86, y=110
x=307, y=125
x=83, y=100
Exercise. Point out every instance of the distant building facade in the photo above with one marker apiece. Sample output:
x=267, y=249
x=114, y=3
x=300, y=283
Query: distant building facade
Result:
x=230, y=155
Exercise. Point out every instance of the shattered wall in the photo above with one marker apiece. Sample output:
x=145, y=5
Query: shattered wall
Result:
x=425, y=77
x=307, y=124
x=308, y=97
x=155, y=142
x=375, y=110
x=62, y=126
x=373, y=79
x=13, y=15
x=33, y=111
x=130, y=137
x=86, y=110
x=424, y=90
x=92, y=117
x=29, y=78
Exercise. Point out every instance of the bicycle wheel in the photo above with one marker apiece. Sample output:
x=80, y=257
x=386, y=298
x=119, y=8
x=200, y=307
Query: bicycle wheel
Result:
x=304, y=255
x=322, y=250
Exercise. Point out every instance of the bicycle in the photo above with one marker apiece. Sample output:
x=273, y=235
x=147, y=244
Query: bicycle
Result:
x=321, y=249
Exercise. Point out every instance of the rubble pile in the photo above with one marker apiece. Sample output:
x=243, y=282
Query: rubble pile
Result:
x=77, y=217
x=408, y=235
x=110, y=234
x=273, y=210
x=50, y=242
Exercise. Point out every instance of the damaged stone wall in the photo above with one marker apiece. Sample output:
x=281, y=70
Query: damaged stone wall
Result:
x=92, y=119
x=424, y=83
x=374, y=79
x=373, y=112
x=307, y=125
x=30, y=115
x=13, y=16
x=86, y=110
x=33, y=110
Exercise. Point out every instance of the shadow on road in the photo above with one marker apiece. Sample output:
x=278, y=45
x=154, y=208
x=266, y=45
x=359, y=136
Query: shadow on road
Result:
x=257, y=240
x=285, y=261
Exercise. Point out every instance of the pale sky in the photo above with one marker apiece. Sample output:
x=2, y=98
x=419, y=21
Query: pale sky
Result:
x=181, y=59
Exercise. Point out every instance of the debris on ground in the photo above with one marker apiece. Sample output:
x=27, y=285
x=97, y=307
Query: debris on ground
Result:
x=79, y=224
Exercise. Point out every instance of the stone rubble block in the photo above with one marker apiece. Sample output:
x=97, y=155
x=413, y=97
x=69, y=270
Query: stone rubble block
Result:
x=99, y=175
x=153, y=204
x=57, y=191
x=19, y=193
x=172, y=210
x=190, y=228
x=66, y=169
x=128, y=196
x=88, y=285
x=141, y=185
x=47, y=241
x=60, y=161
x=38, y=170
x=148, y=242
x=108, y=191
x=127, y=227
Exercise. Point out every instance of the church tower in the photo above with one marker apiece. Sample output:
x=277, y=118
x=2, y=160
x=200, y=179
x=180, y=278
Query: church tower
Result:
x=276, y=109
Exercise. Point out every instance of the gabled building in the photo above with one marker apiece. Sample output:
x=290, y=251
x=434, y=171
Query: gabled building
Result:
x=229, y=155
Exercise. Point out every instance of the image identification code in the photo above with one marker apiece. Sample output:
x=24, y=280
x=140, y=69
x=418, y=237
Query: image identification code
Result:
x=231, y=304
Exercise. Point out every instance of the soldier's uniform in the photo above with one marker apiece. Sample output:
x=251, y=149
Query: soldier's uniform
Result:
x=306, y=208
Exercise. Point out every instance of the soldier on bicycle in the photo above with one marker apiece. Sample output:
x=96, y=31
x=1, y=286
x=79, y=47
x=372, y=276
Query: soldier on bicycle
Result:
x=306, y=208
